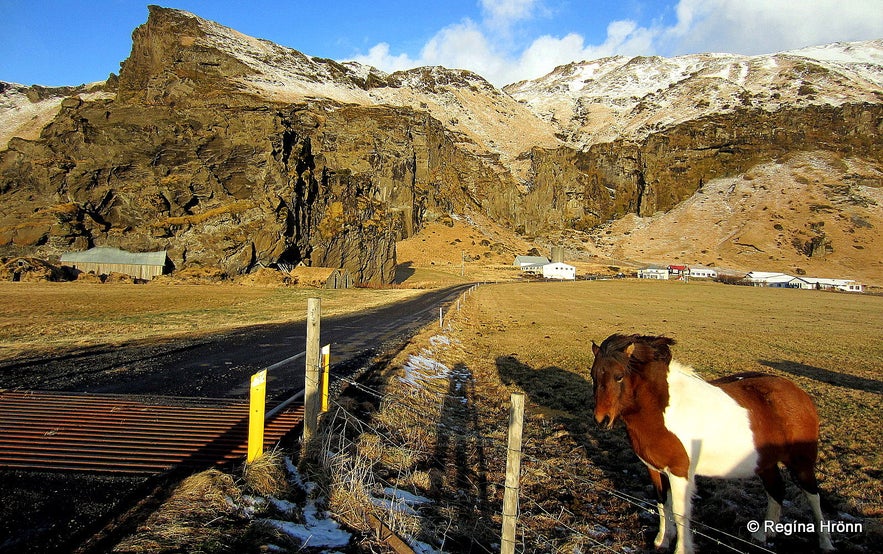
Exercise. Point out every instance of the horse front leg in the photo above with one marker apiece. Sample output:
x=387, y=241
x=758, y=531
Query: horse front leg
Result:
x=681, y=491
x=663, y=506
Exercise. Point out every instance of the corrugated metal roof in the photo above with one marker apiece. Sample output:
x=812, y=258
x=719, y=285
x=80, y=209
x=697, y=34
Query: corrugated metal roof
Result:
x=108, y=255
x=531, y=260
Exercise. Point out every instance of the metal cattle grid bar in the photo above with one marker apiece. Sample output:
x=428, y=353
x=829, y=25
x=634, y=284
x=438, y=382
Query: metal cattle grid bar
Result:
x=125, y=434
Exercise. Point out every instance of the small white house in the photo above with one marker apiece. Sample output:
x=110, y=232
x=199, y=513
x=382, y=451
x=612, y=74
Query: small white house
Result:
x=653, y=273
x=559, y=270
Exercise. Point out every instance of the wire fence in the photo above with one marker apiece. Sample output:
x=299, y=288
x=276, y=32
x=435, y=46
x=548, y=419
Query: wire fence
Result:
x=592, y=541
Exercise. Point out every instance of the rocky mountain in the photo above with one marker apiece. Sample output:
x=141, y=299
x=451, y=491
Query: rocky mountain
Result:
x=233, y=152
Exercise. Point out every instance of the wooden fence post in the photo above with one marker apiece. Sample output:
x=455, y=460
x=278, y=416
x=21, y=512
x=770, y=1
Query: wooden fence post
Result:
x=513, y=473
x=312, y=376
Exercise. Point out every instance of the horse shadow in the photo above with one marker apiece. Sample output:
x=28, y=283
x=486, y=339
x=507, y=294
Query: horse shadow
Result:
x=823, y=375
x=566, y=398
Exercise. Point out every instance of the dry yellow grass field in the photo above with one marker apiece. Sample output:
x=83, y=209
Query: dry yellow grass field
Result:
x=536, y=338
x=39, y=317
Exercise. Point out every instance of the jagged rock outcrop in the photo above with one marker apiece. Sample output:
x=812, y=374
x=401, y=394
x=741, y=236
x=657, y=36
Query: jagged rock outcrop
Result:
x=189, y=158
x=608, y=180
x=232, y=152
x=643, y=134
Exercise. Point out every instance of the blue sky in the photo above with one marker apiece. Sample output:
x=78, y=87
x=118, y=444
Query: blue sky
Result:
x=63, y=42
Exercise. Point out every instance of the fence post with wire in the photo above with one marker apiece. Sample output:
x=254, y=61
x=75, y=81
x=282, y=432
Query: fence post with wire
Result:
x=513, y=472
x=312, y=378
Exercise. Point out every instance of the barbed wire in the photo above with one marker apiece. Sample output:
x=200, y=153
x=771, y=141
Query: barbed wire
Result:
x=404, y=402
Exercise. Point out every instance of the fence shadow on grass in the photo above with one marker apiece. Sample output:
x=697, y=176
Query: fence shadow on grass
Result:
x=460, y=455
x=566, y=398
x=826, y=375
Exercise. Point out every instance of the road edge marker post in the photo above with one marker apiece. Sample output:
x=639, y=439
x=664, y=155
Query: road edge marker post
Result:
x=326, y=375
x=312, y=376
x=257, y=401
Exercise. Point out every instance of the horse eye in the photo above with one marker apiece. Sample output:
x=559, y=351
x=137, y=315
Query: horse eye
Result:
x=619, y=378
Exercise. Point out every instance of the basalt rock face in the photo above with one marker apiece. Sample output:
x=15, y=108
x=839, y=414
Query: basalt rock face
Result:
x=608, y=180
x=187, y=158
x=233, y=152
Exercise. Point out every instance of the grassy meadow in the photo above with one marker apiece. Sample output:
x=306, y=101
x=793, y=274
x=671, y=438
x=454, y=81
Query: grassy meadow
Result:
x=448, y=442
x=37, y=318
x=536, y=338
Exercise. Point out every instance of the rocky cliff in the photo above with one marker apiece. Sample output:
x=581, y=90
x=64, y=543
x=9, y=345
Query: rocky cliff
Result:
x=191, y=151
x=234, y=152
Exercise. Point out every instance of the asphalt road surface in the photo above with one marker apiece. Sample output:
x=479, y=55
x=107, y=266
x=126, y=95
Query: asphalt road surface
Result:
x=53, y=512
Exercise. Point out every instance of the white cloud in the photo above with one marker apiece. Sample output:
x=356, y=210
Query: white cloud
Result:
x=765, y=26
x=378, y=56
x=736, y=26
x=501, y=14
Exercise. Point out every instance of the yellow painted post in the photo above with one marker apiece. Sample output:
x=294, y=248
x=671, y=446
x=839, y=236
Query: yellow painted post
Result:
x=326, y=375
x=256, y=415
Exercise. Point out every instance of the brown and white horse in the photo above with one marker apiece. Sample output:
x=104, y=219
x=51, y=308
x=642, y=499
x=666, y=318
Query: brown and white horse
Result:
x=681, y=426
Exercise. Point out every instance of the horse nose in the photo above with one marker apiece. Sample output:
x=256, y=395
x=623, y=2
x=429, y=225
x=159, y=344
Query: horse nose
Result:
x=600, y=419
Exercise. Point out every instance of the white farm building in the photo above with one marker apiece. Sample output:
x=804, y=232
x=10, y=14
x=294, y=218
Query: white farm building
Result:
x=768, y=279
x=531, y=264
x=702, y=272
x=653, y=273
x=559, y=270
x=844, y=285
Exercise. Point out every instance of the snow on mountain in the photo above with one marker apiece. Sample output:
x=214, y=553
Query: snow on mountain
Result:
x=481, y=116
x=601, y=100
x=279, y=73
x=24, y=111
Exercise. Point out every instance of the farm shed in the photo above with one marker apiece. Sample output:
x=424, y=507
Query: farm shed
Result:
x=103, y=260
x=559, y=270
x=768, y=279
x=531, y=264
x=323, y=277
x=702, y=272
x=845, y=285
x=653, y=273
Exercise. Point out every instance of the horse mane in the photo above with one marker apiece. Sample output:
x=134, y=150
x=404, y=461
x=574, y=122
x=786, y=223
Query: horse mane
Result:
x=646, y=349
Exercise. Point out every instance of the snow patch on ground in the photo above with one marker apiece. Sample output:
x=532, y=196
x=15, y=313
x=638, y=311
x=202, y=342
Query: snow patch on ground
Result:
x=318, y=530
x=309, y=524
x=423, y=368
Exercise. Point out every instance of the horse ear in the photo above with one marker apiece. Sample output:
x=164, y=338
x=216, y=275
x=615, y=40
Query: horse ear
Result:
x=595, y=349
x=661, y=348
x=629, y=350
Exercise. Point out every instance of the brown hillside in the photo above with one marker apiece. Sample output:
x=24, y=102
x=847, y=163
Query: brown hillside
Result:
x=766, y=220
